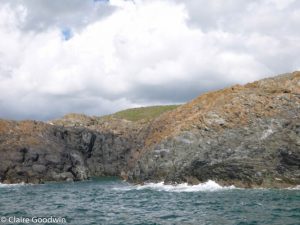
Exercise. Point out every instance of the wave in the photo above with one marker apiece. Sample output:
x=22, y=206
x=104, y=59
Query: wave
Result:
x=184, y=187
x=294, y=188
x=11, y=185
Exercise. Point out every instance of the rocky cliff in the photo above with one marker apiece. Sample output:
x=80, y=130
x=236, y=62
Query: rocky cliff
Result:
x=36, y=152
x=243, y=135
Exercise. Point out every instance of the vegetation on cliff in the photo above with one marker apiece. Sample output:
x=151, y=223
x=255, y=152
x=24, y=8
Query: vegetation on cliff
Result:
x=144, y=113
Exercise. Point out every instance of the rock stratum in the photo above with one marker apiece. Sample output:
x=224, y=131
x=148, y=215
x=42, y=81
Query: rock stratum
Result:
x=247, y=136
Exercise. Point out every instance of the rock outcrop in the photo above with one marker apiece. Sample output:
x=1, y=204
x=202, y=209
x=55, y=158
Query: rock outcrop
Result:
x=243, y=135
x=36, y=152
x=247, y=136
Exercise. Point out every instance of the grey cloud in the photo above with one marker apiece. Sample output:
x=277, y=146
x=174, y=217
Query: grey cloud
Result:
x=174, y=92
x=67, y=13
x=47, y=107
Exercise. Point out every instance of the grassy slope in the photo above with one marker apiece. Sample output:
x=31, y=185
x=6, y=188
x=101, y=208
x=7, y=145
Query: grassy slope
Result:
x=134, y=114
x=146, y=113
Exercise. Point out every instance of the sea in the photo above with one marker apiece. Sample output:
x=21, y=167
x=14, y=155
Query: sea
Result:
x=113, y=201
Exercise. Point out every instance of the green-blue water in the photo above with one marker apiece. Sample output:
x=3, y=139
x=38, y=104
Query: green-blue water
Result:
x=111, y=201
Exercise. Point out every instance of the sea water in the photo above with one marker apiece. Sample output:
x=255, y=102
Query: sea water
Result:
x=112, y=201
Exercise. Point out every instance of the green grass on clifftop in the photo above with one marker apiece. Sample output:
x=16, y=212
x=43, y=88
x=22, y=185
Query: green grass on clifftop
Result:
x=146, y=113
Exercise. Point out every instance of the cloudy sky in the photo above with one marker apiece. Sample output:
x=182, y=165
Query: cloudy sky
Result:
x=100, y=56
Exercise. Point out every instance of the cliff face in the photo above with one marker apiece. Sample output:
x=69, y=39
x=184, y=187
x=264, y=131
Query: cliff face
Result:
x=243, y=135
x=36, y=152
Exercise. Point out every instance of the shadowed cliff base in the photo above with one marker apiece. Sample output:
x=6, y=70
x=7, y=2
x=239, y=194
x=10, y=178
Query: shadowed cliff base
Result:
x=248, y=136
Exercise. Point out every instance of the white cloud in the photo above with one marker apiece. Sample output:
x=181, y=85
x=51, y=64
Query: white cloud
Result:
x=139, y=53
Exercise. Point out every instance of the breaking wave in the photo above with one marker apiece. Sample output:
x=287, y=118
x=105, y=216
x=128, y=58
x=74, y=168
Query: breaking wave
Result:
x=207, y=186
x=294, y=188
x=11, y=185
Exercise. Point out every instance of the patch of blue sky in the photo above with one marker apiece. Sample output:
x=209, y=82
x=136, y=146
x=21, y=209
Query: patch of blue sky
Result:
x=66, y=33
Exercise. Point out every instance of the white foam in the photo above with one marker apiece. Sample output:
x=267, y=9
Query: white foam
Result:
x=294, y=188
x=184, y=187
x=11, y=185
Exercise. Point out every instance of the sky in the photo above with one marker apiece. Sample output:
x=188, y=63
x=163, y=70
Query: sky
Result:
x=100, y=56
